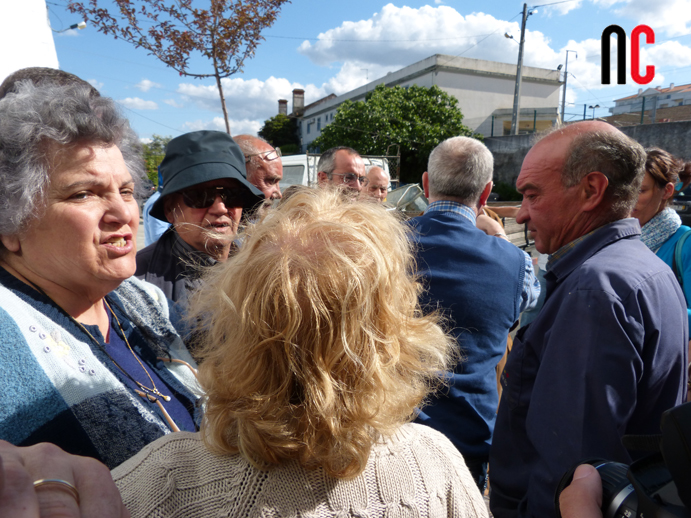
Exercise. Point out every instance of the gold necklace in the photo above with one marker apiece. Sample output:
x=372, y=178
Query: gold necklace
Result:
x=153, y=390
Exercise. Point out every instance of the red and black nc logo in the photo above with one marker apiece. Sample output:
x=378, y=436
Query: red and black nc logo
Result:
x=605, y=65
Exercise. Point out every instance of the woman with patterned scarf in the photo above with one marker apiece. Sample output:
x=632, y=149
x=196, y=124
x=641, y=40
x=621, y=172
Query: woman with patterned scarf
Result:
x=660, y=224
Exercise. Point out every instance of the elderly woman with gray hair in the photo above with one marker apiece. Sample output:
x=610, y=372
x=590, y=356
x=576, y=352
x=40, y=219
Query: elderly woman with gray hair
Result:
x=88, y=356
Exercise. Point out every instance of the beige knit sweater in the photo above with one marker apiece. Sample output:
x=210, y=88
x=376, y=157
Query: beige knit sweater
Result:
x=416, y=473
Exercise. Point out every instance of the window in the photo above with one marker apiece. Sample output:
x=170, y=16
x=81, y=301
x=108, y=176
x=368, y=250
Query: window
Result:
x=319, y=123
x=308, y=127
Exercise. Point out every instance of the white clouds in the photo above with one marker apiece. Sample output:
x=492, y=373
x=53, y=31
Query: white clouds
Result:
x=237, y=127
x=247, y=99
x=562, y=9
x=399, y=36
x=135, y=103
x=96, y=84
x=173, y=103
x=673, y=17
x=145, y=85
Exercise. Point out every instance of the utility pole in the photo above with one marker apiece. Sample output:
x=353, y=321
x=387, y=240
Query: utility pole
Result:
x=519, y=74
x=566, y=74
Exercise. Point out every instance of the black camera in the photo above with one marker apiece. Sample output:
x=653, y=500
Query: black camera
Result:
x=658, y=485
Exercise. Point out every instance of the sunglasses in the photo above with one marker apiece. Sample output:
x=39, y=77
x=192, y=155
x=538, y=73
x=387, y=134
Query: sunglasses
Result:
x=204, y=197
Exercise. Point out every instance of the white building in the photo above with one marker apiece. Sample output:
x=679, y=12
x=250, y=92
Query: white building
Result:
x=653, y=98
x=484, y=90
x=25, y=36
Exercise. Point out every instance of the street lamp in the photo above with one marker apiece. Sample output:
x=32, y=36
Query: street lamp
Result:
x=593, y=108
x=566, y=74
x=80, y=25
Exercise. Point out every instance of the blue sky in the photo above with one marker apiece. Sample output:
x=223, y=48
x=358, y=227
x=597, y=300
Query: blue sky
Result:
x=332, y=47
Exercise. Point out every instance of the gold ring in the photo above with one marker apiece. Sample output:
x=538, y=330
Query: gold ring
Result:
x=58, y=484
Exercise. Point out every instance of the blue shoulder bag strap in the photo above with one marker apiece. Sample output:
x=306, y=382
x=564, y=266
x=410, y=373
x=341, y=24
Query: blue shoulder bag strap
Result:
x=677, y=260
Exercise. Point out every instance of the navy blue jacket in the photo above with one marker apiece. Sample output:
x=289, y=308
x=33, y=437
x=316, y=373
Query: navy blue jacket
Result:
x=604, y=358
x=477, y=281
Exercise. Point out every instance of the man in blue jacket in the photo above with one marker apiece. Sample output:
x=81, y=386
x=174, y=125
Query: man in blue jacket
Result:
x=479, y=280
x=606, y=355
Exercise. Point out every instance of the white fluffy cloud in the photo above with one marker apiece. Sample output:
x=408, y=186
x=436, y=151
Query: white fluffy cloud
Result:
x=248, y=99
x=96, y=84
x=237, y=127
x=145, y=85
x=671, y=17
x=135, y=103
x=173, y=103
x=399, y=36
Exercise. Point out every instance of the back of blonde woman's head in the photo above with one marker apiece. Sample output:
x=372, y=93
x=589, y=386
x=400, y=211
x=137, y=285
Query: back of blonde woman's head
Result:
x=314, y=343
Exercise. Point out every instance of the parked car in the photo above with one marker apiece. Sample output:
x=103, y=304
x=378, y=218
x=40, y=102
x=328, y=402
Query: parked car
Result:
x=682, y=204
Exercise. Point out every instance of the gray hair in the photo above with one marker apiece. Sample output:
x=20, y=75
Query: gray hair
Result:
x=327, y=161
x=620, y=158
x=37, y=124
x=248, y=146
x=460, y=167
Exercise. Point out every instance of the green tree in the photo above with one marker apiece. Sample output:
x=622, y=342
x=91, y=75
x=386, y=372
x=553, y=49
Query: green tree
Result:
x=227, y=33
x=417, y=118
x=154, y=152
x=281, y=131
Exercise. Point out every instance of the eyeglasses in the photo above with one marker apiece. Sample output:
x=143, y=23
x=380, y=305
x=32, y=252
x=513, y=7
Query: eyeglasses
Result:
x=266, y=155
x=204, y=197
x=351, y=177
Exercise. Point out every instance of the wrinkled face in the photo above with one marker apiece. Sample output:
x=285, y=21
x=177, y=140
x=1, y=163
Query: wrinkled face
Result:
x=550, y=209
x=266, y=174
x=348, y=168
x=206, y=229
x=651, y=199
x=85, y=242
x=377, y=184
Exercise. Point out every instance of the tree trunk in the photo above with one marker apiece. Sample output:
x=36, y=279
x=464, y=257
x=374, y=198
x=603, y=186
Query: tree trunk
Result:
x=223, y=102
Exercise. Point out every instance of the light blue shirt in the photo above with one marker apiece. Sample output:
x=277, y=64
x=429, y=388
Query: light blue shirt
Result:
x=153, y=227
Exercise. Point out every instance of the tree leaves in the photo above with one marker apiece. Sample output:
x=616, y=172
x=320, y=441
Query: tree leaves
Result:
x=227, y=33
x=415, y=117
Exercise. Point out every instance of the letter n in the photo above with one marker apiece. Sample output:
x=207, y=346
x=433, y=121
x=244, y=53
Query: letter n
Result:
x=621, y=55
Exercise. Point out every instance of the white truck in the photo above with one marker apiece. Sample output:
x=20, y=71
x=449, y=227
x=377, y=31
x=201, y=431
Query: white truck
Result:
x=302, y=169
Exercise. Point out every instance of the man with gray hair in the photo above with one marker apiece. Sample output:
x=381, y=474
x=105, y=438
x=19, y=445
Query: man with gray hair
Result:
x=377, y=184
x=607, y=354
x=341, y=167
x=263, y=163
x=480, y=281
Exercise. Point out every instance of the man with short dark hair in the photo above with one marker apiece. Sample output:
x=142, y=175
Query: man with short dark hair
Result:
x=341, y=167
x=480, y=281
x=263, y=163
x=204, y=192
x=607, y=353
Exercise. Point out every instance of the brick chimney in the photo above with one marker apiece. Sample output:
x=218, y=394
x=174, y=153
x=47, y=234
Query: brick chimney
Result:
x=671, y=85
x=282, y=107
x=298, y=101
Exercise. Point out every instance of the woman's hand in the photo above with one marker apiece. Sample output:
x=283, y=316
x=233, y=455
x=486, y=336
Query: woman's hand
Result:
x=20, y=467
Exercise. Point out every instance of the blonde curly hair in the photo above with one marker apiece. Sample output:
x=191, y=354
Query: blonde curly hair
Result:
x=314, y=345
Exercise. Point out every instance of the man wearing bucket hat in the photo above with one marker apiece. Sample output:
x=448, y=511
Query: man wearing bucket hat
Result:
x=205, y=188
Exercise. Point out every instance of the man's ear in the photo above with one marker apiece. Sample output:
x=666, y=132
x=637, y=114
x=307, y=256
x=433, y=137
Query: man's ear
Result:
x=322, y=178
x=170, y=205
x=485, y=194
x=593, y=187
x=11, y=243
x=425, y=184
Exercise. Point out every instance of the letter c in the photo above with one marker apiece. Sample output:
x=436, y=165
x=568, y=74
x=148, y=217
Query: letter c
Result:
x=635, y=56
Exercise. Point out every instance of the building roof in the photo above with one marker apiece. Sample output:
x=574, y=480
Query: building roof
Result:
x=671, y=89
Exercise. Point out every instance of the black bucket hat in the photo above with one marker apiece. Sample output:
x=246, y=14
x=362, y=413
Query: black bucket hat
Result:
x=198, y=157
